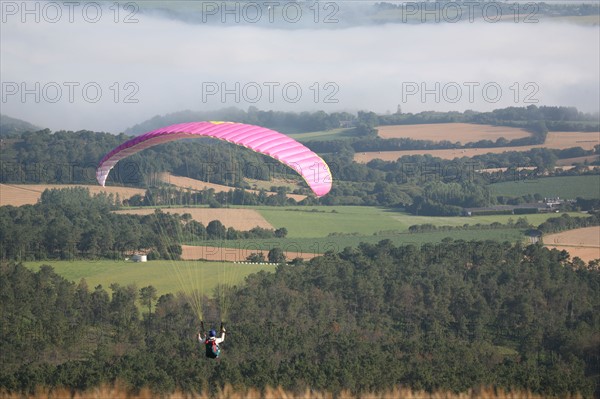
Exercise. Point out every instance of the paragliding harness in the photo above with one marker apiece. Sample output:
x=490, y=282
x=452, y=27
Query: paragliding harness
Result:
x=213, y=350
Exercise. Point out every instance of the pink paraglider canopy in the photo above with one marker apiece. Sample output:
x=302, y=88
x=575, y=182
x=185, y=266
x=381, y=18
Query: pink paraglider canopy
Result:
x=288, y=151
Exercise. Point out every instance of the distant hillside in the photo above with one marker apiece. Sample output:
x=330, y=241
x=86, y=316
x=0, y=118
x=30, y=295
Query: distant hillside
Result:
x=10, y=126
x=229, y=114
x=537, y=120
x=284, y=122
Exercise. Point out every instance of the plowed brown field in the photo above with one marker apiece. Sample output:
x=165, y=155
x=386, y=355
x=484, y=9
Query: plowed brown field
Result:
x=232, y=254
x=557, y=140
x=461, y=132
x=584, y=242
x=239, y=219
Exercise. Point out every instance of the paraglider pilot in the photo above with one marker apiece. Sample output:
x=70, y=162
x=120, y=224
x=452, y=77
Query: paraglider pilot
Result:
x=211, y=342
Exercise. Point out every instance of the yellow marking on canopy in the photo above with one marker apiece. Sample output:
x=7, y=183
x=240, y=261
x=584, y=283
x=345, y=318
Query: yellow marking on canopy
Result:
x=219, y=122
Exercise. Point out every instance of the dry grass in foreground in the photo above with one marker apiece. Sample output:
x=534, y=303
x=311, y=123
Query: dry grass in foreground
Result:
x=117, y=392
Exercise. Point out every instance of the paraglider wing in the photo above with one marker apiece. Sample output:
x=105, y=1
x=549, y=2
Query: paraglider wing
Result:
x=288, y=151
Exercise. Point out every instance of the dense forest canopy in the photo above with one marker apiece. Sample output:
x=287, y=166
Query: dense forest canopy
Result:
x=449, y=316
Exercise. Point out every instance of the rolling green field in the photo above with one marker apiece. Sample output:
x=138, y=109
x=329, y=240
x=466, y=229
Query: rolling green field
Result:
x=303, y=222
x=300, y=246
x=535, y=219
x=165, y=276
x=364, y=220
x=568, y=187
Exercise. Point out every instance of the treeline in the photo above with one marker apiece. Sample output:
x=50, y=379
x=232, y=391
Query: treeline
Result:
x=428, y=167
x=451, y=316
x=70, y=224
x=551, y=225
x=567, y=222
x=521, y=223
x=170, y=195
x=559, y=117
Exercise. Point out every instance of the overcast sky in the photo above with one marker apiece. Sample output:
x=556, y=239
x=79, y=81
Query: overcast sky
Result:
x=158, y=66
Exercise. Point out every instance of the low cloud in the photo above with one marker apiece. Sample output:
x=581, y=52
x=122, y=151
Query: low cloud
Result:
x=107, y=76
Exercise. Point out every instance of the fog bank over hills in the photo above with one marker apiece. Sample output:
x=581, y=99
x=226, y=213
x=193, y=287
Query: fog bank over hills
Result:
x=108, y=76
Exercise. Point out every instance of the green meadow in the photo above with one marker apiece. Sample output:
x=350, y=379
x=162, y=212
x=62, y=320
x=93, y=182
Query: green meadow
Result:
x=322, y=221
x=568, y=187
x=299, y=246
x=535, y=219
x=165, y=276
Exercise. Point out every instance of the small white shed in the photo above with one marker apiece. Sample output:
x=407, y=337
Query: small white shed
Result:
x=139, y=258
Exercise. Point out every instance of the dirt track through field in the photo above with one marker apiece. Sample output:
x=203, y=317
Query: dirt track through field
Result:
x=461, y=132
x=239, y=219
x=233, y=254
x=556, y=140
x=584, y=242
x=29, y=194
x=193, y=184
